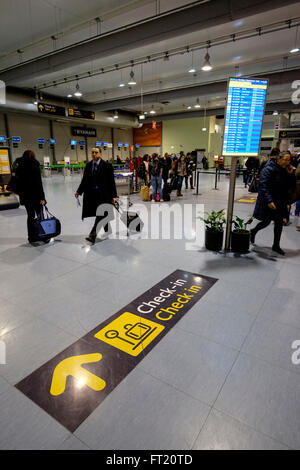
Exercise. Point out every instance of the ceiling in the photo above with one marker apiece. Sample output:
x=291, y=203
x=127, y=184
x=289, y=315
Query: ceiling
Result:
x=28, y=26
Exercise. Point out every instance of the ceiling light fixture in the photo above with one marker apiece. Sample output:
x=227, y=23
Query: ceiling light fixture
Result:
x=152, y=110
x=77, y=93
x=206, y=66
x=295, y=48
x=275, y=113
x=197, y=105
x=132, y=79
x=192, y=69
x=142, y=116
x=116, y=115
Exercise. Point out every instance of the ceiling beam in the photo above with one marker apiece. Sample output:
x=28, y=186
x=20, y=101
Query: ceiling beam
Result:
x=277, y=78
x=172, y=24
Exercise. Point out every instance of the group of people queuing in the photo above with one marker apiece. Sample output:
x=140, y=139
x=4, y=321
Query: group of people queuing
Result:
x=158, y=172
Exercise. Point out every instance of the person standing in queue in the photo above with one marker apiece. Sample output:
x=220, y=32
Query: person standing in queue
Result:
x=98, y=187
x=273, y=196
x=28, y=185
x=181, y=172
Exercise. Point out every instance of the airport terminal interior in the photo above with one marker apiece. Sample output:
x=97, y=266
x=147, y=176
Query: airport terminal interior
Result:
x=158, y=334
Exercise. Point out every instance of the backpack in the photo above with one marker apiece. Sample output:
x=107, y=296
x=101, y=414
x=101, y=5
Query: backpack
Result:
x=155, y=170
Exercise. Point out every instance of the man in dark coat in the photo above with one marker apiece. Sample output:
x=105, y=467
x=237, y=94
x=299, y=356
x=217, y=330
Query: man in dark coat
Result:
x=273, y=197
x=98, y=187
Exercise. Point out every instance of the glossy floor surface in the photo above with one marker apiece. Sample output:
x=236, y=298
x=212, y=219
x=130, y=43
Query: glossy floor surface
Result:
x=223, y=377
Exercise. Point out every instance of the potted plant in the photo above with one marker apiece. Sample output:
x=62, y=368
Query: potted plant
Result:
x=214, y=229
x=240, y=236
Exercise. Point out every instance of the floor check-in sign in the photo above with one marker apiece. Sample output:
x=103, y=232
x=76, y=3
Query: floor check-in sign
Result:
x=72, y=384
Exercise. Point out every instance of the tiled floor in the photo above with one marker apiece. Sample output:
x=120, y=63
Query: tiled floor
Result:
x=223, y=378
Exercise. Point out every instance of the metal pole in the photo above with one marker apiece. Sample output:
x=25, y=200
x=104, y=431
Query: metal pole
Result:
x=231, y=201
x=52, y=137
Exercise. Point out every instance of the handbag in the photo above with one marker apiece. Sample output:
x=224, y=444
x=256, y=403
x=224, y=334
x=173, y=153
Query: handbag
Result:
x=46, y=225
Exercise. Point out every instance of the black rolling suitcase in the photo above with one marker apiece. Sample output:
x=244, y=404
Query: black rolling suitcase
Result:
x=131, y=219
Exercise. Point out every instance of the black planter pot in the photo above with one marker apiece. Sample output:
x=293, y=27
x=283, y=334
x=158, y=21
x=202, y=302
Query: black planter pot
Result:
x=213, y=240
x=240, y=241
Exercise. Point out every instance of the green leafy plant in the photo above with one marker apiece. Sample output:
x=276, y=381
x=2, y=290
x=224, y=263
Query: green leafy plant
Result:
x=214, y=220
x=240, y=225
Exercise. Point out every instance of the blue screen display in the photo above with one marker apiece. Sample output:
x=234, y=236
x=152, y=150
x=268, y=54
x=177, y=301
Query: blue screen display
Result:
x=73, y=142
x=244, y=116
x=52, y=141
x=41, y=141
x=16, y=139
x=2, y=138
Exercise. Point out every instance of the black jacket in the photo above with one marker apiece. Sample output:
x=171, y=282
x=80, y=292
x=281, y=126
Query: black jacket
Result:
x=274, y=184
x=106, y=191
x=27, y=182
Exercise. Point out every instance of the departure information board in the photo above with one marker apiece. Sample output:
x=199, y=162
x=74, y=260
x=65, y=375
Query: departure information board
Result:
x=246, y=99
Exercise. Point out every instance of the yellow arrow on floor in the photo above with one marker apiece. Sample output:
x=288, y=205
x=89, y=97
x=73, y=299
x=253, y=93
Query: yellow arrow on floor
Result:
x=73, y=366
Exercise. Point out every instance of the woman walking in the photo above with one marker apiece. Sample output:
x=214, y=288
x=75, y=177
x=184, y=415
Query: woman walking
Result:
x=28, y=185
x=273, y=197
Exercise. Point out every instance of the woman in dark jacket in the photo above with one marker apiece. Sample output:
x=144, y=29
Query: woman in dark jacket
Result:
x=28, y=185
x=273, y=197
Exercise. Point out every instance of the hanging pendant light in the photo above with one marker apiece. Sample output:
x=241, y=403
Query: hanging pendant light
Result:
x=132, y=79
x=295, y=48
x=197, y=105
x=77, y=93
x=116, y=115
x=206, y=66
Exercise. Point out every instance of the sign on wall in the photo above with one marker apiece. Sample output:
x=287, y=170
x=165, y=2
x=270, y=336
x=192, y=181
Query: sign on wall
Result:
x=146, y=136
x=84, y=131
x=4, y=162
x=246, y=98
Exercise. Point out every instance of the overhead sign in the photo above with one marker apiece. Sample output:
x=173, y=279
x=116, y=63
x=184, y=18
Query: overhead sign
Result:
x=289, y=134
x=73, y=142
x=84, y=131
x=41, y=141
x=81, y=113
x=2, y=138
x=51, y=109
x=16, y=140
x=71, y=385
x=52, y=141
x=246, y=98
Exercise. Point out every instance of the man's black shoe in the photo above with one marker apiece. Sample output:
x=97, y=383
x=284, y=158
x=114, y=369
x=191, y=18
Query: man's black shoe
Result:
x=278, y=250
x=91, y=238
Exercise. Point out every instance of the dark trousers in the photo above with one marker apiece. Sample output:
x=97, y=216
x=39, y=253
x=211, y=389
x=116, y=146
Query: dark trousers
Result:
x=278, y=224
x=98, y=219
x=32, y=211
x=187, y=178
